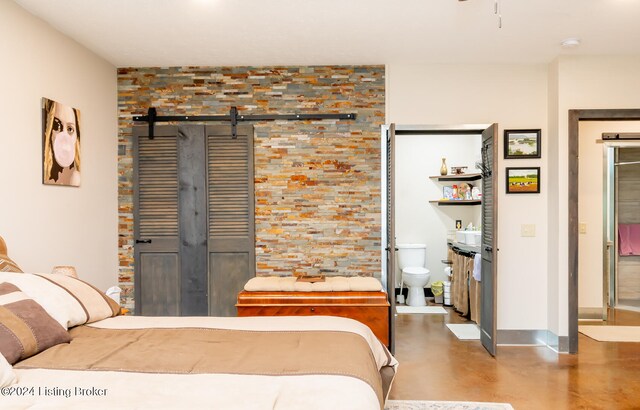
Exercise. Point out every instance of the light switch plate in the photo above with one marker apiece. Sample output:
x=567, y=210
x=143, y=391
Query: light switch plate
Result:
x=583, y=227
x=527, y=230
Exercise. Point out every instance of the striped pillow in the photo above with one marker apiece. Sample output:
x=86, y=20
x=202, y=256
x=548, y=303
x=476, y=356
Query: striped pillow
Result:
x=7, y=265
x=25, y=327
x=68, y=300
x=95, y=304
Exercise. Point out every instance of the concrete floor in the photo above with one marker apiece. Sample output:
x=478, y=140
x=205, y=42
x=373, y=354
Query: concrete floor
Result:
x=435, y=365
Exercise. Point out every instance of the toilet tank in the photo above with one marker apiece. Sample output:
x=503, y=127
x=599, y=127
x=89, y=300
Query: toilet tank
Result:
x=412, y=254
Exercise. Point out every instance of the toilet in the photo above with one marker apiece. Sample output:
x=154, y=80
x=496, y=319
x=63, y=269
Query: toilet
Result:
x=412, y=261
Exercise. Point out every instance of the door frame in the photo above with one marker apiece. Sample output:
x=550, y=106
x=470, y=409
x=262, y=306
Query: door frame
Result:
x=575, y=116
x=456, y=129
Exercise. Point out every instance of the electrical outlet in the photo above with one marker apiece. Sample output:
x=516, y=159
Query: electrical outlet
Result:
x=528, y=230
x=583, y=227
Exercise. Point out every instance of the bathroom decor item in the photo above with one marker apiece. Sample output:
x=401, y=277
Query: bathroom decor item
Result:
x=464, y=191
x=443, y=168
x=523, y=180
x=458, y=170
x=447, y=192
x=472, y=237
x=520, y=144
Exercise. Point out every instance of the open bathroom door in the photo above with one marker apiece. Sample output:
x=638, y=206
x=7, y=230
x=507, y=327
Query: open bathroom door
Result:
x=489, y=239
x=391, y=236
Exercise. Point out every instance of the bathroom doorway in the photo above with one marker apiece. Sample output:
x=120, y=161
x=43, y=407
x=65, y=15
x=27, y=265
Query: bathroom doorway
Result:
x=576, y=119
x=622, y=221
x=609, y=193
x=422, y=208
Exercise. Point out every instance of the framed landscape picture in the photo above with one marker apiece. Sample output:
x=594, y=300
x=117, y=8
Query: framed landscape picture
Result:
x=521, y=144
x=523, y=180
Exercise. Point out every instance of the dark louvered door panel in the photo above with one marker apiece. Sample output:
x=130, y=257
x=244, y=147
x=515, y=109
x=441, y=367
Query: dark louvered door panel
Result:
x=156, y=226
x=391, y=235
x=231, y=215
x=488, y=247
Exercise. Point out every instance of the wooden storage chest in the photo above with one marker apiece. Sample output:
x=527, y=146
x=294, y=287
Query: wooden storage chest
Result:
x=370, y=308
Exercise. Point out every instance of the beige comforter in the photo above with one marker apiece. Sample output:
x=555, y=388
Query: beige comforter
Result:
x=204, y=383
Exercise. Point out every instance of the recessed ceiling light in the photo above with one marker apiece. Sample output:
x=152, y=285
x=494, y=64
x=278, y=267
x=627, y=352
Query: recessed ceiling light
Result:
x=570, y=42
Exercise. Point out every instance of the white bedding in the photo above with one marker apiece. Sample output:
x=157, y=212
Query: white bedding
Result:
x=40, y=388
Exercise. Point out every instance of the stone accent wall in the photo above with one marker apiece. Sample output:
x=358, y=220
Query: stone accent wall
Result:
x=317, y=183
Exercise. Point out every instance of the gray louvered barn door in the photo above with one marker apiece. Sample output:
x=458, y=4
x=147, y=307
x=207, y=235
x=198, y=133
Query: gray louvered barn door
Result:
x=193, y=219
x=231, y=215
x=156, y=230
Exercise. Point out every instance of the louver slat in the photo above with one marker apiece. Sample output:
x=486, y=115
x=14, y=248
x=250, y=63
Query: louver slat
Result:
x=158, y=187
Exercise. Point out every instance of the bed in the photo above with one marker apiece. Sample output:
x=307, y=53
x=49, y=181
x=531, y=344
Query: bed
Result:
x=101, y=359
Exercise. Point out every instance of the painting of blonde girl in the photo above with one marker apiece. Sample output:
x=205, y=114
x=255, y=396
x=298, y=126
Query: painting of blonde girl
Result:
x=61, y=143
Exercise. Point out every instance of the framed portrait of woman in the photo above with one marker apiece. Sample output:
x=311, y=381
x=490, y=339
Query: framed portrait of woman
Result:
x=60, y=144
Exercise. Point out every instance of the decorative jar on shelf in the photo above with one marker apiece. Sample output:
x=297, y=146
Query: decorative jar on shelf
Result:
x=443, y=168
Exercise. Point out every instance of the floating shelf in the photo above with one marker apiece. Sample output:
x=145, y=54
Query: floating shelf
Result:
x=452, y=202
x=461, y=177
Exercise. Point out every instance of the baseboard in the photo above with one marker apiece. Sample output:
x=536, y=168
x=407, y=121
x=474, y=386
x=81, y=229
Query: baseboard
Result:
x=533, y=337
x=525, y=337
x=590, y=313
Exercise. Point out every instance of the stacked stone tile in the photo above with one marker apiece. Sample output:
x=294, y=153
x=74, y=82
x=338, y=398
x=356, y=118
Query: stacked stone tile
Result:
x=317, y=183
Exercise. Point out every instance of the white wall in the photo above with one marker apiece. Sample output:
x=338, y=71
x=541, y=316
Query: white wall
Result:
x=417, y=221
x=590, y=208
x=583, y=83
x=515, y=97
x=553, y=188
x=54, y=225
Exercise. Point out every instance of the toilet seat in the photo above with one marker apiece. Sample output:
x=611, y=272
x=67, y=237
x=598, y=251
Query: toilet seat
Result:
x=415, y=270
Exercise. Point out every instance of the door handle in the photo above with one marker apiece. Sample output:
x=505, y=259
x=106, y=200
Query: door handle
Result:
x=488, y=248
x=143, y=240
x=389, y=248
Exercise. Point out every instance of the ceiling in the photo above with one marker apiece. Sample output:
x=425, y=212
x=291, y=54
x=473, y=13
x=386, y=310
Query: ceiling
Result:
x=322, y=32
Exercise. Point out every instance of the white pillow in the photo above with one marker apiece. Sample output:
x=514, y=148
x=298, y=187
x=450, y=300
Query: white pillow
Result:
x=7, y=375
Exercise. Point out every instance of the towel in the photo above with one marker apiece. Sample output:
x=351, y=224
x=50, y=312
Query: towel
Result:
x=629, y=239
x=477, y=267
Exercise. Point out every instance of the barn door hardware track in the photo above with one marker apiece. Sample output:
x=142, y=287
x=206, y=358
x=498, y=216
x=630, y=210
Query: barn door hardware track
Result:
x=234, y=118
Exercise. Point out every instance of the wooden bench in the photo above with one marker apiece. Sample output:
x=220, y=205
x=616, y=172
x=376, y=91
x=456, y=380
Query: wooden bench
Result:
x=370, y=308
